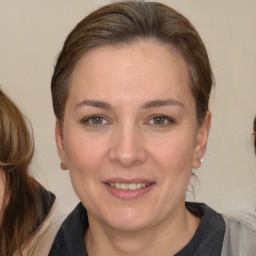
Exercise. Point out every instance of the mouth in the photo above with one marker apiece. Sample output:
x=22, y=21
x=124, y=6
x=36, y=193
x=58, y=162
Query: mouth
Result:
x=124, y=189
x=128, y=186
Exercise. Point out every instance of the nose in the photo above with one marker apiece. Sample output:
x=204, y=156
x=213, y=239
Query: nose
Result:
x=127, y=147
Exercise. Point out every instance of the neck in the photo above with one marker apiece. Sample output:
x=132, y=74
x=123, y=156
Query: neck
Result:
x=172, y=235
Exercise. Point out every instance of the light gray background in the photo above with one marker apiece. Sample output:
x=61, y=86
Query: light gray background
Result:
x=32, y=33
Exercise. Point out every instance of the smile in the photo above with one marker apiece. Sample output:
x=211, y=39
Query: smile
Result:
x=129, y=186
x=128, y=189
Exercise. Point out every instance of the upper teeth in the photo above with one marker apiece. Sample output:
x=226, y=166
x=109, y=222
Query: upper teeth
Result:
x=130, y=186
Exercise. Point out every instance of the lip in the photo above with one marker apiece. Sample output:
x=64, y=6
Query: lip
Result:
x=128, y=194
x=123, y=180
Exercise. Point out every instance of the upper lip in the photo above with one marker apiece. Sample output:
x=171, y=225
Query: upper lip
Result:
x=128, y=181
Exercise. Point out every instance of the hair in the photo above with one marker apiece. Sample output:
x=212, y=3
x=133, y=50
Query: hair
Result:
x=22, y=204
x=125, y=22
x=254, y=133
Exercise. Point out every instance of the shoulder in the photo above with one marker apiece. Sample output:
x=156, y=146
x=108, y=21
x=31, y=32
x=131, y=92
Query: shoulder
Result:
x=70, y=237
x=41, y=242
x=45, y=230
x=237, y=222
x=208, y=238
x=239, y=238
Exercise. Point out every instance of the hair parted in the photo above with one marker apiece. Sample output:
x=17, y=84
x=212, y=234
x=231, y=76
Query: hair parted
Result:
x=22, y=204
x=127, y=21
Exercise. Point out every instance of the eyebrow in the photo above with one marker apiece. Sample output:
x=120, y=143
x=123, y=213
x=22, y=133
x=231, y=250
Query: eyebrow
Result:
x=162, y=103
x=150, y=104
x=94, y=103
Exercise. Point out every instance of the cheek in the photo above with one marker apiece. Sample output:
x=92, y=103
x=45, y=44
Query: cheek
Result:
x=173, y=158
x=83, y=162
x=83, y=151
x=175, y=151
x=85, y=157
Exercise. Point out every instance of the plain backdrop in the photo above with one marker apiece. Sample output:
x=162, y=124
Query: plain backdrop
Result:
x=32, y=33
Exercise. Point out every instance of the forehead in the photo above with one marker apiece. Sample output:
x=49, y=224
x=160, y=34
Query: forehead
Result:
x=141, y=68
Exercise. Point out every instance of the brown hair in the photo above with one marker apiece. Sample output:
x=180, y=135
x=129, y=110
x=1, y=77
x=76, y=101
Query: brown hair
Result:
x=124, y=22
x=22, y=206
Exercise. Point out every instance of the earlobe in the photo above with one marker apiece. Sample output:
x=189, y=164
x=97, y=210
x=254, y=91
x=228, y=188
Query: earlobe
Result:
x=63, y=166
x=201, y=141
x=60, y=146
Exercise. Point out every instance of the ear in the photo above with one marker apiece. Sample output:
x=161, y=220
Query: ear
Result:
x=201, y=140
x=60, y=146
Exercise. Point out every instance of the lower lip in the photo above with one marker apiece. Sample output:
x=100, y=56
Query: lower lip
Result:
x=128, y=194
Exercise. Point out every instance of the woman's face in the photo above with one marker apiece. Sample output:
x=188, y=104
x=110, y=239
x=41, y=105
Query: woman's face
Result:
x=130, y=134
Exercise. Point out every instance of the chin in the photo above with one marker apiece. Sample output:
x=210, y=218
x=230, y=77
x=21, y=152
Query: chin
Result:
x=124, y=226
x=129, y=221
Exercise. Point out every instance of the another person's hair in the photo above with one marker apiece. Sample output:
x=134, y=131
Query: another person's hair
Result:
x=254, y=133
x=22, y=205
x=125, y=22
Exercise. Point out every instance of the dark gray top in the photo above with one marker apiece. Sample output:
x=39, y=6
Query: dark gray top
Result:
x=207, y=240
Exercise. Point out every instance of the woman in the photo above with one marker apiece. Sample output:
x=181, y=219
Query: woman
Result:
x=130, y=93
x=27, y=210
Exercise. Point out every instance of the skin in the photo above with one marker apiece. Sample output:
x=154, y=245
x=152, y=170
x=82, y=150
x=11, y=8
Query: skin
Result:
x=130, y=117
x=2, y=189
